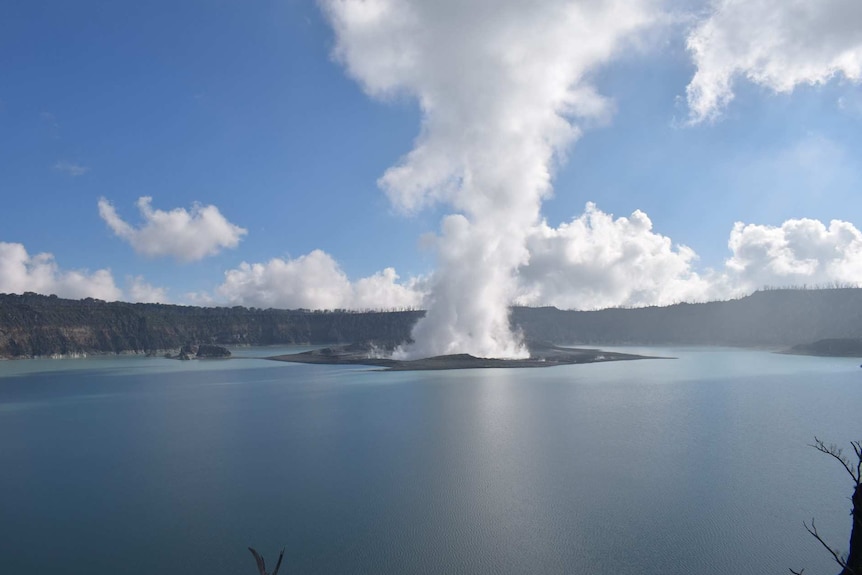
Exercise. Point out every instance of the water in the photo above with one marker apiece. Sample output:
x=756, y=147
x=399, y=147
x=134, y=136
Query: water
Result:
x=693, y=465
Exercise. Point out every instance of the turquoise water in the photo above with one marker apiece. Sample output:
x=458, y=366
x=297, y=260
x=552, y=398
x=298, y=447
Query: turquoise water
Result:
x=692, y=465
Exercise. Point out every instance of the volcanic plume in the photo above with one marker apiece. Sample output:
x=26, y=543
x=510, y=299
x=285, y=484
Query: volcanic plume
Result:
x=504, y=87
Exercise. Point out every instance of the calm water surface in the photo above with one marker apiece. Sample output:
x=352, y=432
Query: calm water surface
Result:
x=694, y=465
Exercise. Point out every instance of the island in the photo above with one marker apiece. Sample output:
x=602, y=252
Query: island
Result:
x=200, y=351
x=541, y=355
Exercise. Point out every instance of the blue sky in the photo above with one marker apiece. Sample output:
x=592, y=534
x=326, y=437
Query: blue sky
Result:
x=242, y=106
x=236, y=105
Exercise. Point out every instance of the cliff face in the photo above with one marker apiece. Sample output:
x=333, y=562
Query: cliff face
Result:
x=36, y=325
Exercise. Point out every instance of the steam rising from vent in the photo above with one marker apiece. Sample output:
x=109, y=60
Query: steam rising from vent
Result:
x=502, y=85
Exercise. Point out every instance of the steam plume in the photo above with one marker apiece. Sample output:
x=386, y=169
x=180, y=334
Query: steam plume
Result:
x=502, y=86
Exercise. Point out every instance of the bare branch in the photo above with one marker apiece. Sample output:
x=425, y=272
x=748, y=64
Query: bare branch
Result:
x=261, y=565
x=278, y=565
x=854, y=470
x=841, y=560
x=836, y=452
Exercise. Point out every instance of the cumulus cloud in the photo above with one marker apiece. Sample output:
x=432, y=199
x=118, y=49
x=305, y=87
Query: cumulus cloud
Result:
x=383, y=291
x=70, y=168
x=186, y=235
x=596, y=261
x=314, y=281
x=20, y=272
x=778, y=44
x=504, y=88
x=799, y=252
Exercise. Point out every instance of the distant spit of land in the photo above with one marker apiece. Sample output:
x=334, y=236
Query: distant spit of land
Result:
x=833, y=347
x=541, y=355
x=796, y=320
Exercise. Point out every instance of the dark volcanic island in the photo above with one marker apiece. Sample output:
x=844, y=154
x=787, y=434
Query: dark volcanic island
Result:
x=541, y=355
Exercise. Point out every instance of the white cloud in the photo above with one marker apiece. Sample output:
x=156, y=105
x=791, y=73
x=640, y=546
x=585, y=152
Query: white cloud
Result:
x=778, y=44
x=314, y=281
x=70, y=168
x=186, y=235
x=799, y=252
x=382, y=291
x=596, y=261
x=20, y=272
x=142, y=292
x=504, y=87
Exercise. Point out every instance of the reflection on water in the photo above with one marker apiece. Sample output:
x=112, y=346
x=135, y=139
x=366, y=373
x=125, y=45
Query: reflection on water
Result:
x=692, y=465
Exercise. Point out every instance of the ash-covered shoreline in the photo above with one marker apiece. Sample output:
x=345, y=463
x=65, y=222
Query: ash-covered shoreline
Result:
x=541, y=355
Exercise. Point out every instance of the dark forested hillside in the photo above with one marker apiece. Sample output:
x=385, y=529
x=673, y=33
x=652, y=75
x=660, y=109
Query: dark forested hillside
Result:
x=774, y=318
x=36, y=325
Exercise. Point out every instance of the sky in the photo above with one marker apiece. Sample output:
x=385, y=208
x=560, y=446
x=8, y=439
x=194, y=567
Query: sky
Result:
x=456, y=156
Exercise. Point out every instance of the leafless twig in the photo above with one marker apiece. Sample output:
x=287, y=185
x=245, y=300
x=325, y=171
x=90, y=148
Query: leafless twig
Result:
x=840, y=558
x=850, y=563
x=836, y=452
x=261, y=564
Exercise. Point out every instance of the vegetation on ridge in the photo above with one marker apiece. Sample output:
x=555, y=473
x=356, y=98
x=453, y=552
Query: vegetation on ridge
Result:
x=36, y=325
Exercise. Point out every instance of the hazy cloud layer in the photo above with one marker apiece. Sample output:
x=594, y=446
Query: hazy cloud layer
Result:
x=314, y=281
x=186, y=235
x=779, y=44
x=503, y=87
x=70, y=168
x=139, y=290
x=20, y=272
